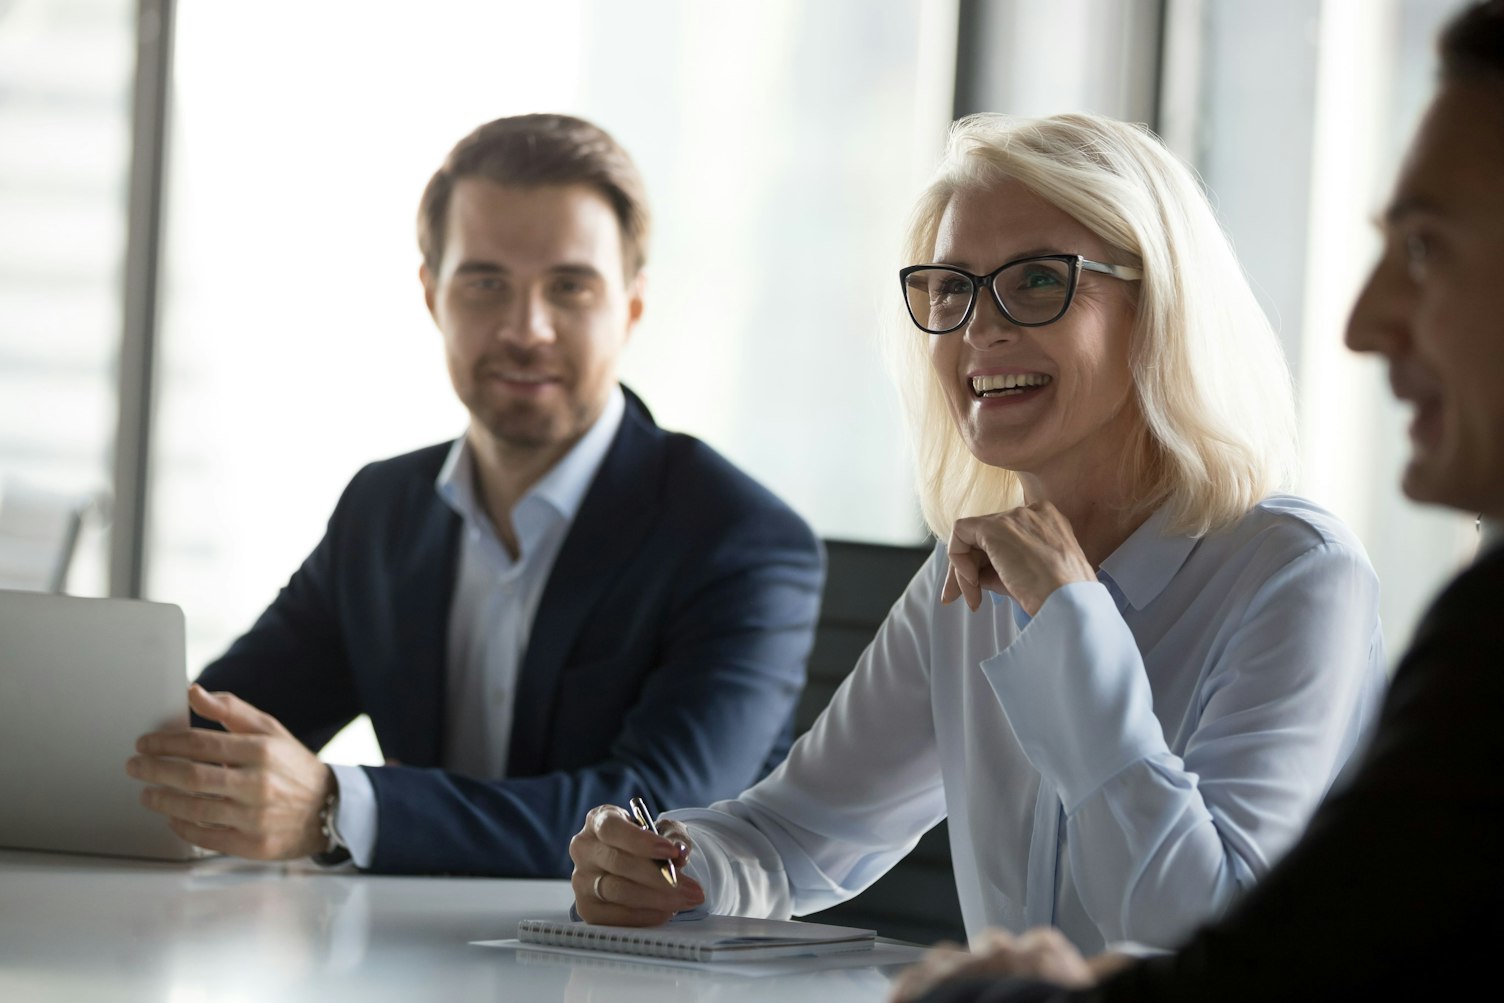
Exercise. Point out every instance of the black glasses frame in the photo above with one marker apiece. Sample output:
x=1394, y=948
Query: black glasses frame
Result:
x=1076, y=262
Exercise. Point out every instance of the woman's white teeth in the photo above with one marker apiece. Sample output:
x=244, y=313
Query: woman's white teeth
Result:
x=1000, y=385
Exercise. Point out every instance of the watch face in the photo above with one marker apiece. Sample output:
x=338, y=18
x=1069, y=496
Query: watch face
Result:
x=335, y=852
x=329, y=825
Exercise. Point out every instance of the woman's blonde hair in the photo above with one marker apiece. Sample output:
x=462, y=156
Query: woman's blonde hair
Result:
x=1209, y=375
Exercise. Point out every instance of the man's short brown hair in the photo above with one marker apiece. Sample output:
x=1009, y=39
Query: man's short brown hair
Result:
x=1472, y=44
x=540, y=150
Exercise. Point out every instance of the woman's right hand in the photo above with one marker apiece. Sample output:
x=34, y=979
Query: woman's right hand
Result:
x=616, y=878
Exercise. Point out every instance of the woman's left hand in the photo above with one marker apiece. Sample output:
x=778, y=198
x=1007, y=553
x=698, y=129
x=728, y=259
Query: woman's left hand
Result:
x=1026, y=553
x=1041, y=953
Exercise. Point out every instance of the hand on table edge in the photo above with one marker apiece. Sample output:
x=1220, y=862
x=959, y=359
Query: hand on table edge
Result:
x=1042, y=953
x=251, y=791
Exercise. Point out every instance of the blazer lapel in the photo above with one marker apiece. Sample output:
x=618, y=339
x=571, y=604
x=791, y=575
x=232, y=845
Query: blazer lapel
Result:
x=421, y=597
x=610, y=525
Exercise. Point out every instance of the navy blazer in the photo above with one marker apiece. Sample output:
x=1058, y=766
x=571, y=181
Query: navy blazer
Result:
x=665, y=659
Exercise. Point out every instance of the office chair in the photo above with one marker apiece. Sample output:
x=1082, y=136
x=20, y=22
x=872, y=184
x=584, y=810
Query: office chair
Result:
x=916, y=900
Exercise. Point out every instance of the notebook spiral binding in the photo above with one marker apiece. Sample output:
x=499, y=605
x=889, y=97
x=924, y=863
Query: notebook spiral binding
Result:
x=647, y=943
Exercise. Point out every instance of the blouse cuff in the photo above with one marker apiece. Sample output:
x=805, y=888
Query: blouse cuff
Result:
x=1073, y=687
x=737, y=866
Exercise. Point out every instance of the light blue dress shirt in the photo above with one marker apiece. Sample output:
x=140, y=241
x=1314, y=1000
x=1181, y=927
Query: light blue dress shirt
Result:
x=1121, y=766
x=491, y=614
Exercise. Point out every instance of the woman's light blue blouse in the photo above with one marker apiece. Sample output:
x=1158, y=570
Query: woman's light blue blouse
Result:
x=1121, y=766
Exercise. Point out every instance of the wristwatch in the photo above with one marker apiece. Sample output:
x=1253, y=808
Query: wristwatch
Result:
x=335, y=851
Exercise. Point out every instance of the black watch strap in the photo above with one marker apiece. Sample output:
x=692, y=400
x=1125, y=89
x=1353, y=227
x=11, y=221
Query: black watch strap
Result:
x=331, y=858
x=335, y=851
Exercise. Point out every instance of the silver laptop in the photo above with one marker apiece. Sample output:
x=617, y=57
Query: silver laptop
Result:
x=80, y=680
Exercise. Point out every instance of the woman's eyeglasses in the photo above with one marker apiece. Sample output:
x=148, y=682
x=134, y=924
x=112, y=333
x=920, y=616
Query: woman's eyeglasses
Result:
x=1031, y=292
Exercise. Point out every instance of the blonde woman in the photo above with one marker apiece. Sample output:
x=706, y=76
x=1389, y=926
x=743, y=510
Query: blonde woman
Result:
x=1158, y=665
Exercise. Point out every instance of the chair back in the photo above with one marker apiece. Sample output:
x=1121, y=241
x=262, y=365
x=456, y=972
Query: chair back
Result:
x=916, y=900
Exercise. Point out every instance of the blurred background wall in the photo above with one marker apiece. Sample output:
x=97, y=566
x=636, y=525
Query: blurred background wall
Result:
x=209, y=306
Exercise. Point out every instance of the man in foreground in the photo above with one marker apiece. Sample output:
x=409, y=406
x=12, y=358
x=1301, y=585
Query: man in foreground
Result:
x=1394, y=891
x=565, y=606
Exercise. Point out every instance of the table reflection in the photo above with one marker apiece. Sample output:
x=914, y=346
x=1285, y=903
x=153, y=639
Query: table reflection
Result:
x=75, y=928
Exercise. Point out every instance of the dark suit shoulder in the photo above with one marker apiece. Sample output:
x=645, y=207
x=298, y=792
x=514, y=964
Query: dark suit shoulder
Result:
x=693, y=461
x=1449, y=680
x=400, y=481
x=704, y=488
x=421, y=466
x=391, y=506
x=1472, y=595
x=696, y=488
x=1463, y=621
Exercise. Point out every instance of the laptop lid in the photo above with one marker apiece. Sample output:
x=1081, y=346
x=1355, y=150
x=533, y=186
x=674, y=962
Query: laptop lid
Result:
x=80, y=681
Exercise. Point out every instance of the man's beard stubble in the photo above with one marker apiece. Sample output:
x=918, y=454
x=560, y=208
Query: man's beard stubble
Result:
x=517, y=423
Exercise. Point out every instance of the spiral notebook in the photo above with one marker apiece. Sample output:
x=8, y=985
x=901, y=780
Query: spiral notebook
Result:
x=714, y=938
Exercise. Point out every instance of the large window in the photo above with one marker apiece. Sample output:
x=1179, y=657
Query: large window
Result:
x=65, y=78
x=1300, y=162
x=782, y=143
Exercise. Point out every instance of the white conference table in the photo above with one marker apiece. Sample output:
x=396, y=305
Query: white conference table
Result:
x=225, y=930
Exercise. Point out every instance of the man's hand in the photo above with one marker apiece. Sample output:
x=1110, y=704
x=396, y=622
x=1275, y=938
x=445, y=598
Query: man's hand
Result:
x=254, y=792
x=1042, y=953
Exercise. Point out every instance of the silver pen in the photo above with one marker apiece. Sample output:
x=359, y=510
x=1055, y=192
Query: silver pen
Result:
x=640, y=813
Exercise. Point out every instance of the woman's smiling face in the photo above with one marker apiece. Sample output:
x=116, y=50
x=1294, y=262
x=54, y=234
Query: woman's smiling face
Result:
x=1055, y=402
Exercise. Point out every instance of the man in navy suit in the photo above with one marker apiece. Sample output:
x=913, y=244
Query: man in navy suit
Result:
x=567, y=606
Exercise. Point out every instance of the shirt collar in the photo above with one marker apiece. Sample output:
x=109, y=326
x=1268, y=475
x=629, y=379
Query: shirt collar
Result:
x=1145, y=562
x=563, y=487
x=1138, y=571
